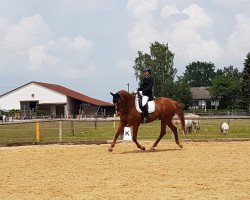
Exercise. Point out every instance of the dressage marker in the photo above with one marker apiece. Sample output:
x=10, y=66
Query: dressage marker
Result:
x=127, y=135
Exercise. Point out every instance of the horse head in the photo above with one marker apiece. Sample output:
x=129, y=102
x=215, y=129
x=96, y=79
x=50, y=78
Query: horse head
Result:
x=121, y=99
x=117, y=101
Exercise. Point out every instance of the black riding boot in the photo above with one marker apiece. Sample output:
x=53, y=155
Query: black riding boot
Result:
x=145, y=114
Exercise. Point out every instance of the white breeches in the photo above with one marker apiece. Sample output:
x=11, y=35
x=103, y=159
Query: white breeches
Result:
x=144, y=100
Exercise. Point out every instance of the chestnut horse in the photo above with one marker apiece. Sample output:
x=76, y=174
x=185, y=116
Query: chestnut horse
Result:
x=165, y=109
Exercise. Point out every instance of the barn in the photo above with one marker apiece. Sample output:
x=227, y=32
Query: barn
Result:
x=202, y=99
x=36, y=99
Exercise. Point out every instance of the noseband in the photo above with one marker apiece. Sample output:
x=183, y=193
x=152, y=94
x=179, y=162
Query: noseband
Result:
x=118, y=104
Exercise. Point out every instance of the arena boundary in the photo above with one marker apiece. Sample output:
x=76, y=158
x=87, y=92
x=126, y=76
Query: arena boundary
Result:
x=119, y=141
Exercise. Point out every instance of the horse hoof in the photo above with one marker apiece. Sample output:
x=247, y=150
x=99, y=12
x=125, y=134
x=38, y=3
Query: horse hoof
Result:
x=143, y=148
x=110, y=149
x=152, y=149
x=180, y=145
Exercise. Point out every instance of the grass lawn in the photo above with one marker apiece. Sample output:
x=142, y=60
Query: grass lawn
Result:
x=105, y=131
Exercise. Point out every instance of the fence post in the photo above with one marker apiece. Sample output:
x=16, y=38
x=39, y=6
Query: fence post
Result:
x=72, y=127
x=38, y=132
x=60, y=131
x=95, y=123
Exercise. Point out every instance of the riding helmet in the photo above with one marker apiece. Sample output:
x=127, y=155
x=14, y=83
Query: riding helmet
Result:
x=147, y=69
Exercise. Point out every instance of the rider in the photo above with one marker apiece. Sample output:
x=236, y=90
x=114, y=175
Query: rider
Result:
x=145, y=90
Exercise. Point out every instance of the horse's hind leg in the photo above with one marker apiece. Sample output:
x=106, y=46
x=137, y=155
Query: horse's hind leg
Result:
x=135, y=131
x=174, y=130
x=162, y=133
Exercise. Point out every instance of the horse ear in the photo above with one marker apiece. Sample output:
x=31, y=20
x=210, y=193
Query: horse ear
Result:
x=112, y=94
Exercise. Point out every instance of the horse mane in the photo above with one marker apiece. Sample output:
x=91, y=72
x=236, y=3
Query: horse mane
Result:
x=126, y=95
x=128, y=100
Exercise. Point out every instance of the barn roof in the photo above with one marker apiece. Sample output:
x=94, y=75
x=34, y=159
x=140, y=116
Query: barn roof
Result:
x=200, y=93
x=68, y=92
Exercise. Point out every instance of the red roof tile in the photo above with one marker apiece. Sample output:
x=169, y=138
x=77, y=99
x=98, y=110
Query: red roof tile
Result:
x=73, y=94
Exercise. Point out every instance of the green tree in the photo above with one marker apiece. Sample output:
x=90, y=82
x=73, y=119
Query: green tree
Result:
x=182, y=92
x=161, y=62
x=199, y=74
x=228, y=71
x=245, y=84
x=226, y=87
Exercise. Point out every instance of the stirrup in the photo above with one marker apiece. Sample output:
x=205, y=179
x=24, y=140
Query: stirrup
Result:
x=145, y=120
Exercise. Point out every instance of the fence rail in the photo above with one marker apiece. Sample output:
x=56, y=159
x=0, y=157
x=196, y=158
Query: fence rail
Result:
x=112, y=119
x=75, y=130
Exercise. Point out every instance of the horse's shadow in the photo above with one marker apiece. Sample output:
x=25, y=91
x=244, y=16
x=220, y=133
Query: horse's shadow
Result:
x=149, y=151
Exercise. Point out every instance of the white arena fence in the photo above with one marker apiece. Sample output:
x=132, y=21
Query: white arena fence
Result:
x=94, y=130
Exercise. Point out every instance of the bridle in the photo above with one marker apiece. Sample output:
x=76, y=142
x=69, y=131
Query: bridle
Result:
x=118, y=105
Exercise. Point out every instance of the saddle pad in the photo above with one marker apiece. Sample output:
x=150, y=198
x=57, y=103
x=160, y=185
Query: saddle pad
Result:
x=151, y=106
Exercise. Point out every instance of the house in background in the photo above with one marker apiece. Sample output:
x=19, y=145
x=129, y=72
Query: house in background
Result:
x=53, y=100
x=201, y=99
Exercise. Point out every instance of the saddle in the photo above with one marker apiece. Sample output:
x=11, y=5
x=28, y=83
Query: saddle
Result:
x=138, y=105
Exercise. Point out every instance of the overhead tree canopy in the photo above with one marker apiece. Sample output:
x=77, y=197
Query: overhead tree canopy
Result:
x=160, y=60
x=199, y=74
x=245, y=84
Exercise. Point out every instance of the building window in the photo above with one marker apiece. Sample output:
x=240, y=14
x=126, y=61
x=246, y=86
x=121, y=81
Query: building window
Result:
x=32, y=95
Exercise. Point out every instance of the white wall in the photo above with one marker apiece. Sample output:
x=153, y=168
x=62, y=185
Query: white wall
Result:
x=41, y=94
x=202, y=103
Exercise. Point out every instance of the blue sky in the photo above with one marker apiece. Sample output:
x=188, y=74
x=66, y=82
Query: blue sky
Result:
x=90, y=45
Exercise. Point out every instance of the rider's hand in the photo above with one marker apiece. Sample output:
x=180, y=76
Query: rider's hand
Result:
x=140, y=92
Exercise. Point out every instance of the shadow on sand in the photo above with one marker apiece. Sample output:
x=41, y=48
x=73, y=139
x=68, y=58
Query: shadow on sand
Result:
x=150, y=151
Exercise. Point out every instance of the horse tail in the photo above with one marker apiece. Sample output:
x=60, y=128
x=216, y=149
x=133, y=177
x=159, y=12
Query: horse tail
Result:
x=180, y=113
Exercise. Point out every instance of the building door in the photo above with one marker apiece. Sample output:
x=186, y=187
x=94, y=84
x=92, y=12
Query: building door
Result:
x=208, y=104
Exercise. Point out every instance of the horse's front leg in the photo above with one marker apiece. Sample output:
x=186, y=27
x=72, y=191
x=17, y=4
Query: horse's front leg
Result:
x=135, y=131
x=162, y=133
x=118, y=132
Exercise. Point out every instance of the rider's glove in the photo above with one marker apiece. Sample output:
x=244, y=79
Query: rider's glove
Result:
x=140, y=92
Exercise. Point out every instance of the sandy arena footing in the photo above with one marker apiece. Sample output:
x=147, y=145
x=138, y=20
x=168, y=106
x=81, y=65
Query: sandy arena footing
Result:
x=204, y=170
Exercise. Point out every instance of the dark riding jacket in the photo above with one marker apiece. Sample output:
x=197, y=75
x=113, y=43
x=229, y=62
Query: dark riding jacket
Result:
x=147, y=87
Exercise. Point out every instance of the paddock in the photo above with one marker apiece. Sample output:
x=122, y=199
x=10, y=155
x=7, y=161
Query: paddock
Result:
x=201, y=170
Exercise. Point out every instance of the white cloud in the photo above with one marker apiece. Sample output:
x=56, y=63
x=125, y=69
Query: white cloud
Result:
x=39, y=58
x=238, y=42
x=144, y=31
x=193, y=38
x=142, y=8
x=28, y=32
x=190, y=35
x=198, y=18
x=71, y=50
x=169, y=10
x=125, y=65
x=234, y=4
x=28, y=46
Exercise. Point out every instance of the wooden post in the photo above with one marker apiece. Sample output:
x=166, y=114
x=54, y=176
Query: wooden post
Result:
x=72, y=127
x=60, y=131
x=114, y=119
x=95, y=123
x=38, y=132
